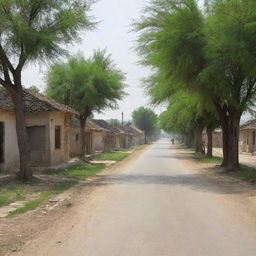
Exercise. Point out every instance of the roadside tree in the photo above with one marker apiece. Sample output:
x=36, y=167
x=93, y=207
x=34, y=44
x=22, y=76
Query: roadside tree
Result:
x=33, y=31
x=88, y=85
x=146, y=120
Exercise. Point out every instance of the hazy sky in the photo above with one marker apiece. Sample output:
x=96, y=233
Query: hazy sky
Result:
x=113, y=33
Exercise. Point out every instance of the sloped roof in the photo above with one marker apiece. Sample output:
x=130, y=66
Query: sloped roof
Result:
x=106, y=126
x=91, y=126
x=133, y=130
x=34, y=103
x=249, y=125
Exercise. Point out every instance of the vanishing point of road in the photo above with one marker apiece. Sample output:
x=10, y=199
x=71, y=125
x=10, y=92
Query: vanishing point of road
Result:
x=157, y=204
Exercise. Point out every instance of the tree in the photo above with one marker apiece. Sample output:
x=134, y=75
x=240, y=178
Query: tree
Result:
x=88, y=85
x=34, y=30
x=34, y=88
x=210, y=51
x=146, y=120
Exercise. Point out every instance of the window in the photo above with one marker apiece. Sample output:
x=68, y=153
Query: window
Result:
x=57, y=137
x=254, y=137
x=77, y=137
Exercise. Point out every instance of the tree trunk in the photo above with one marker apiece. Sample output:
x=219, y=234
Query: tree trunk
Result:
x=199, y=145
x=22, y=137
x=145, y=137
x=225, y=146
x=82, y=132
x=233, y=142
x=230, y=134
x=209, y=142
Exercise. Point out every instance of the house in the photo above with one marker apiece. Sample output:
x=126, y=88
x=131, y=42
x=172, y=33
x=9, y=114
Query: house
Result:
x=137, y=136
x=93, y=137
x=247, y=138
x=48, y=128
x=109, y=139
x=217, y=141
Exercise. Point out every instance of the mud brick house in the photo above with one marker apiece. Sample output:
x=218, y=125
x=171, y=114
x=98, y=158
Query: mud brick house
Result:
x=247, y=139
x=48, y=127
x=94, y=135
x=137, y=136
x=109, y=139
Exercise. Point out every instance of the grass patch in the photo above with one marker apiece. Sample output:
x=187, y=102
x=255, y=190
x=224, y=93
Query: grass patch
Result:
x=81, y=171
x=213, y=160
x=113, y=156
x=245, y=173
x=57, y=189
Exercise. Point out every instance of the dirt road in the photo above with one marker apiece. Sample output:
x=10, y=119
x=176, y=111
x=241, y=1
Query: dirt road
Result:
x=158, y=204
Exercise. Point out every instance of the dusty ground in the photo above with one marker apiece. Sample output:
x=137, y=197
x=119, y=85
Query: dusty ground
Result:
x=158, y=202
x=18, y=230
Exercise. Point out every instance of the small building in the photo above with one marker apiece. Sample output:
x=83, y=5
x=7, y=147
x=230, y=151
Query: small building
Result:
x=48, y=128
x=247, y=138
x=217, y=141
x=137, y=136
x=110, y=137
x=93, y=137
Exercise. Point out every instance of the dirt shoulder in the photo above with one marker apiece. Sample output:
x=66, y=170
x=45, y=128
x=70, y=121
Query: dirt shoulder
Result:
x=17, y=230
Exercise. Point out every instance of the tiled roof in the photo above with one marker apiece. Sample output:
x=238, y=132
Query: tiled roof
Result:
x=133, y=130
x=34, y=103
x=106, y=126
x=91, y=126
x=250, y=125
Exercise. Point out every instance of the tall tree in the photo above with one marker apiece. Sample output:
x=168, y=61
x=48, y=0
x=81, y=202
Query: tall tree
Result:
x=88, y=85
x=211, y=51
x=146, y=120
x=34, y=30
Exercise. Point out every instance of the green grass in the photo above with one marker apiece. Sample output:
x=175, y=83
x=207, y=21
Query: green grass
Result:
x=57, y=189
x=80, y=171
x=245, y=173
x=213, y=160
x=12, y=193
x=113, y=156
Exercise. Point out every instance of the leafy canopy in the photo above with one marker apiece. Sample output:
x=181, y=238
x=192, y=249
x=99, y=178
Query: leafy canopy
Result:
x=87, y=85
x=146, y=120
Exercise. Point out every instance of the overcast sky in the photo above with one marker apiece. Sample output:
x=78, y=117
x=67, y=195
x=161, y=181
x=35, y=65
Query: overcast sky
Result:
x=113, y=32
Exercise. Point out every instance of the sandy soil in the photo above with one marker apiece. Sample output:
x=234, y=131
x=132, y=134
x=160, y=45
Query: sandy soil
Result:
x=18, y=230
x=159, y=201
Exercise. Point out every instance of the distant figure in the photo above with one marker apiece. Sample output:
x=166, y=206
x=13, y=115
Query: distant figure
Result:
x=172, y=141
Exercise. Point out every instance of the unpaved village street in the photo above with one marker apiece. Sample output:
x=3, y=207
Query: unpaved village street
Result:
x=160, y=203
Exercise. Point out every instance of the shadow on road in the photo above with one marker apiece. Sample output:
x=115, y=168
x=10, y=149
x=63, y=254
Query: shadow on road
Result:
x=199, y=182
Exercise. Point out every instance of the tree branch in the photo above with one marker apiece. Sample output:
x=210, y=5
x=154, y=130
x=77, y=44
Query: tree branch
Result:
x=4, y=59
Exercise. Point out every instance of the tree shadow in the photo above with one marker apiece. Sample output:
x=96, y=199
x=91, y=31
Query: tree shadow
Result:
x=199, y=182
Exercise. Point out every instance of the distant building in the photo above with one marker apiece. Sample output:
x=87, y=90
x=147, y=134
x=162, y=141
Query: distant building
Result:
x=247, y=141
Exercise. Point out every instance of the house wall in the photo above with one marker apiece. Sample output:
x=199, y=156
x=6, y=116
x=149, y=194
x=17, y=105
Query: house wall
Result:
x=11, y=152
x=40, y=158
x=63, y=120
x=99, y=141
x=246, y=143
x=75, y=142
x=216, y=139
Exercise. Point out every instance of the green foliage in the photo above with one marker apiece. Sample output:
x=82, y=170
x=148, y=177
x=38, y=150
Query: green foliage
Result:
x=12, y=193
x=113, y=156
x=34, y=88
x=81, y=171
x=146, y=120
x=33, y=30
x=57, y=189
x=88, y=85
